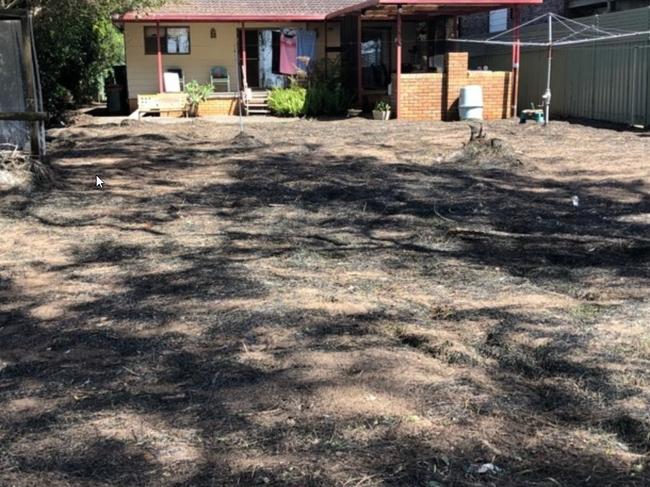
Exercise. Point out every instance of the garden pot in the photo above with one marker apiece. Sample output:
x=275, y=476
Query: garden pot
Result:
x=379, y=115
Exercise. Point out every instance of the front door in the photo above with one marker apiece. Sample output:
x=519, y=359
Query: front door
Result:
x=252, y=56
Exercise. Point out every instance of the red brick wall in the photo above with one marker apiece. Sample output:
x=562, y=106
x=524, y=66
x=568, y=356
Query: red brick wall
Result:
x=420, y=96
x=433, y=96
x=497, y=92
x=456, y=66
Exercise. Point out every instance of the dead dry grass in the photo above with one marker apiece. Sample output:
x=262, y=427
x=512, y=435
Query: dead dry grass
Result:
x=328, y=303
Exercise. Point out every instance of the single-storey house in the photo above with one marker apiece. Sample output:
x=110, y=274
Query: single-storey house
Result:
x=397, y=50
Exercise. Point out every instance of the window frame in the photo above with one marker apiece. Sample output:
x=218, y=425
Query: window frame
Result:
x=163, y=40
x=502, y=11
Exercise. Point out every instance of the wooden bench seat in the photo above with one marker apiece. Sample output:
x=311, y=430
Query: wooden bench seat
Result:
x=161, y=103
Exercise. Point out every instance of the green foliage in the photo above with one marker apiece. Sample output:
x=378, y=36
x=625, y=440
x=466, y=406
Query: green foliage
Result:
x=288, y=102
x=77, y=44
x=326, y=93
x=382, y=106
x=197, y=93
x=327, y=99
x=331, y=71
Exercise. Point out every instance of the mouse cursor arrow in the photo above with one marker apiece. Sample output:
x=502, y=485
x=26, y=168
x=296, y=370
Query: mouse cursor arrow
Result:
x=98, y=182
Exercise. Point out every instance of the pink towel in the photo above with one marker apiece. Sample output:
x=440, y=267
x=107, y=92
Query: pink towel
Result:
x=288, y=54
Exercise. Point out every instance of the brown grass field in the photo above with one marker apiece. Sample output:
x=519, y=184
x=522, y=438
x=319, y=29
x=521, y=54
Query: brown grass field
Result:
x=328, y=303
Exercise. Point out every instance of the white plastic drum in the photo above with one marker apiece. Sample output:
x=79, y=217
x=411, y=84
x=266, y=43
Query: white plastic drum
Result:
x=470, y=105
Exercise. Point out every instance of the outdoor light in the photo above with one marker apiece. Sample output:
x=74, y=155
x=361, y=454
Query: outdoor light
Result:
x=213, y=33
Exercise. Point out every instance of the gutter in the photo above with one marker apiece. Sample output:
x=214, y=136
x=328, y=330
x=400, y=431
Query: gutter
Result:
x=466, y=3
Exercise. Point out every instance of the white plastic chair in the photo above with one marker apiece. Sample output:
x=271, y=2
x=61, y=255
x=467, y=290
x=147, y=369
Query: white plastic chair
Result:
x=219, y=76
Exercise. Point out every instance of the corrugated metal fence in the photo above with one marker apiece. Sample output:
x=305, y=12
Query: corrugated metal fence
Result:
x=12, y=97
x=605, y=80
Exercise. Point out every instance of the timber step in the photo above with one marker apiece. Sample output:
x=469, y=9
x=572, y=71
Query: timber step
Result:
x=257, y=104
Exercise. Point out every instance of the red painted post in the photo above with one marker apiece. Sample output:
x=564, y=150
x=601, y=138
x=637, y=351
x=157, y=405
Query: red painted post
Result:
x=161, y=84
x=359, y=61
x=243, y=55
x=398, y=77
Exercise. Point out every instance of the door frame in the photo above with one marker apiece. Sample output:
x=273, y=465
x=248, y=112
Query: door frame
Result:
x=255, y=58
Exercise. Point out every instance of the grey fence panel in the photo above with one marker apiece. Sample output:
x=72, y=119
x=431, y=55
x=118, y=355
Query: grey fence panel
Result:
x=642, y=90
x=12, y=97
x=606, y=80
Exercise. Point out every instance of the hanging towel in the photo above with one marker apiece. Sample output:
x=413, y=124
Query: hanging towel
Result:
x=288, y=53
x=306, y=49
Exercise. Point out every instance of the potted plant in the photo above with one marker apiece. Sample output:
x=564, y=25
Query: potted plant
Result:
x=381, y=111
x=196, y=94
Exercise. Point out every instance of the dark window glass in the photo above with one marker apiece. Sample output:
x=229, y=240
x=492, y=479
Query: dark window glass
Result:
x=173, y=40
x=276, y=53
x=150, y=42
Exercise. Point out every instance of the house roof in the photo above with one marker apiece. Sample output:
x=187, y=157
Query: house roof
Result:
x=286, y=10
x=247, y=9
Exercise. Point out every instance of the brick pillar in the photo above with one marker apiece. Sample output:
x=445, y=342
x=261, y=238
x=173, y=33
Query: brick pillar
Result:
x=456, y=67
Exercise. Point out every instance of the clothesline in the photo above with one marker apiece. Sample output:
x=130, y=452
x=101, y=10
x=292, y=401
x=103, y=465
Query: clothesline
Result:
x=296, y=45
x=433, y=42
x=331, y=44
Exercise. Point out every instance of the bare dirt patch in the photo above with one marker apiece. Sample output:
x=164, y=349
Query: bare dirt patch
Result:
x=328, y=303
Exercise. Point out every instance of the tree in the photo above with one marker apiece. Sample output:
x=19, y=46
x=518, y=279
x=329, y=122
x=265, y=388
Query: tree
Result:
x=77, y=44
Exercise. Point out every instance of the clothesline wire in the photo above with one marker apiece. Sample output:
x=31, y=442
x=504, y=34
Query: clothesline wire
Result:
x=428, y=41
x=523, y=43
x=567, y=32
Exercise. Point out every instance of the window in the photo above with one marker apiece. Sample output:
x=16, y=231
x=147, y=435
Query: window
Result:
x=371, y=53
x=498, y=20
x=173, y=40
x=375, y=58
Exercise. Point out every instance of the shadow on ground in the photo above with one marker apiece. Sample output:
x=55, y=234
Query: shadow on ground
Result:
x=224, y=315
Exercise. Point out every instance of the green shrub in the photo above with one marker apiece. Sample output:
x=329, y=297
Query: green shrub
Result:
x=329, y=71
x=196, y=94
x=326, y=93
x=288, y=102
x=329, y=99
x=77, y=45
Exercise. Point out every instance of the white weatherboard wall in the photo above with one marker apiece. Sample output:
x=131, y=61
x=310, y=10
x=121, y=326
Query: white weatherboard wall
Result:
x=205, y=52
